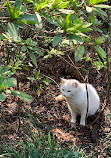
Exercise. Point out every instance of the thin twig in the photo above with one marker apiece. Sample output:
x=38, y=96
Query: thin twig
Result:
x=50, y=79
x=73, y=67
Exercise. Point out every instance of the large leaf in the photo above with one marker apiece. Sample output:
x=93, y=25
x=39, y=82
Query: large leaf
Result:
x=6, y=68
x=101, y=53
x=7, y=83
x=79, y=53
x=97, y=29
x=101, y=12
x=56, y=40
x=102, y=6
x=33, y=58
x=10, y=10
x=11, y=82
x=21, y=95
x=38, y=51
x=13, y=31
x=93, y=2
x=28, y=18
x=2, y=96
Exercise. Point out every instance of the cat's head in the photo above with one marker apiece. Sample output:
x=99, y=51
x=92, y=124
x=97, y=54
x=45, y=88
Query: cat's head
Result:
x=69, y=87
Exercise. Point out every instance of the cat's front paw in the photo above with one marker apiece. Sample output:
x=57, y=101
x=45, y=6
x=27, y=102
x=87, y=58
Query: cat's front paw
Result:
x=82, y=123
x=73, y=121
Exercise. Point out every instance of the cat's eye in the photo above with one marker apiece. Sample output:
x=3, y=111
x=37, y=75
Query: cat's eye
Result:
x=68, y=91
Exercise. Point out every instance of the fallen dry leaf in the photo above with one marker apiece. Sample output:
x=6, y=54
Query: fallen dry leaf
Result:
x=79, y=133
x=66, y=137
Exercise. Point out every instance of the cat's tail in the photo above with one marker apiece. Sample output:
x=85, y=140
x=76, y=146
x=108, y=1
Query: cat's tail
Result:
x=60, y=98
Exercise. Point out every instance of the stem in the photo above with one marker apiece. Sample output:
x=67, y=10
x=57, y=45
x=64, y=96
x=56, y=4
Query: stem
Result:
x=19, y=105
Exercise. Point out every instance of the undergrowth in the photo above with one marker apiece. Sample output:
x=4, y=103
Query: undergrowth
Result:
x=40, y=145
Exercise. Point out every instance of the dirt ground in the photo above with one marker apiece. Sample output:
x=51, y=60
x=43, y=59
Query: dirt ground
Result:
x=55, y=116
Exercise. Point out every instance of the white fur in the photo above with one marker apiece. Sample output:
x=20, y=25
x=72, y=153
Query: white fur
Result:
x=76, y=95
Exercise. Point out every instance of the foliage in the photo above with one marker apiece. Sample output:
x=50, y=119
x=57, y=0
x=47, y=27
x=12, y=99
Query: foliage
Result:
x=40, y=146
x=7, y=82
x=75, y=22
x=37, y=78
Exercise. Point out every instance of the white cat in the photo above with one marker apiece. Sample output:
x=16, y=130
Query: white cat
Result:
x=76, y=96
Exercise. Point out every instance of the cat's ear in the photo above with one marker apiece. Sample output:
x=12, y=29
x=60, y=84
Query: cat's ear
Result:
x=63, y=80
x=75, y=84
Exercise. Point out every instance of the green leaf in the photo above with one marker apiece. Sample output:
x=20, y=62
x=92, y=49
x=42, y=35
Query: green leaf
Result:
x=101, y=53
x=89, y=9
x=10, y=10
x=21, y=95
x=6, y=82
x=39, y=92
x=23, y=48
x=17, y=4
x=56, y=40
x=33, y=58
x=2, y=96
x=13, y=31
x=31, y=78
x=63, y=5
x=28, y=18
x=81, y=34
x=54, y=4
x=14, y=13
x=38, y=51
x=76, y=38
x=26, y=68
x=6, y=68
x=79, y=53
x=11, y=82
x=101, y=12
x=1, y=69
x=66, y=22
x=100, y=40
x=102, y=6
x=39, y=21
x=66, y=11
x=93, y=2
x=47, y=17
x=97, y=29
x=28, y=41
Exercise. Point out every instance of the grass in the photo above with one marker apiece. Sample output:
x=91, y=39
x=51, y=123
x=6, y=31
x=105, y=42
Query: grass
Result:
x=39, y=145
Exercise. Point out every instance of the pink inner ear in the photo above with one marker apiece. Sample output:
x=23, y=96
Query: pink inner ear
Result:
x=75, y=84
